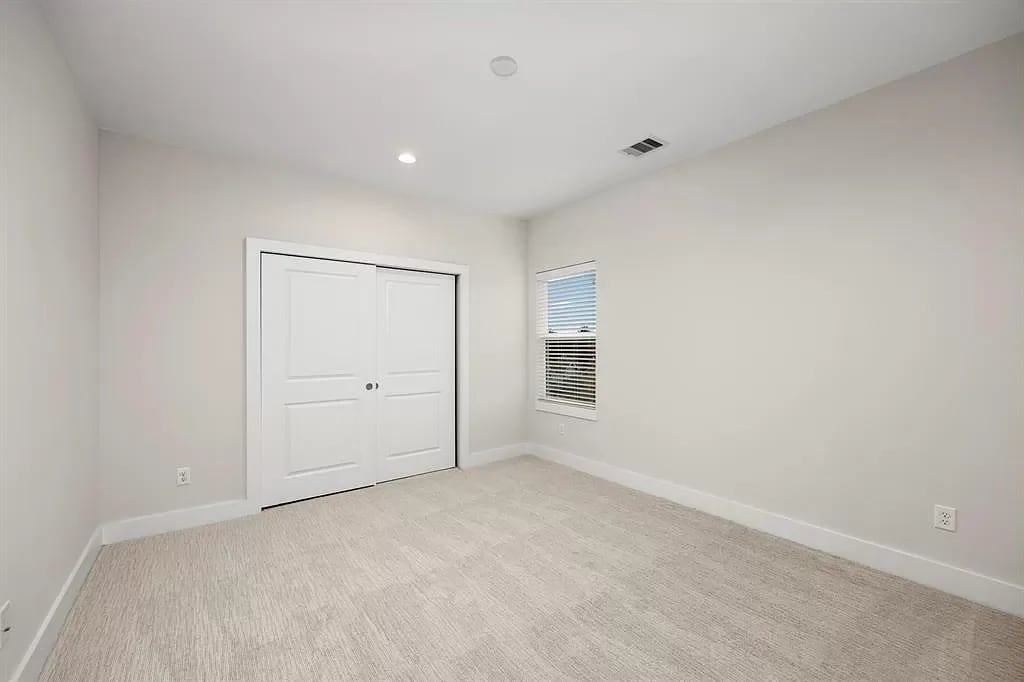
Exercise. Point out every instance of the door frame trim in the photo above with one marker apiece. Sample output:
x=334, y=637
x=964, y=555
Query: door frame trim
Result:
x=254, y=249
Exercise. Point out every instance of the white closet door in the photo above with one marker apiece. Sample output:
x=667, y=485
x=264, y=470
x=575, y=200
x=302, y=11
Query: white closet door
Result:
x=319, y=356
x=416, y=370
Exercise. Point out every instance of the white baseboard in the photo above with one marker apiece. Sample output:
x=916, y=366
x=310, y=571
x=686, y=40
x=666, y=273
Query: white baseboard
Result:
x=976, y=587
x=481, y=457
x=32, y=663
x=179, y=519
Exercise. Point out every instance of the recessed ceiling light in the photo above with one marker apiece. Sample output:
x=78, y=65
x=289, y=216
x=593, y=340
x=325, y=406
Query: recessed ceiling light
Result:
x=407, y=157
x=504, y=66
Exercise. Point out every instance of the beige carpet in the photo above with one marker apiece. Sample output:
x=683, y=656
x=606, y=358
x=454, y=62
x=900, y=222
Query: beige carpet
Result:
x=519, y=570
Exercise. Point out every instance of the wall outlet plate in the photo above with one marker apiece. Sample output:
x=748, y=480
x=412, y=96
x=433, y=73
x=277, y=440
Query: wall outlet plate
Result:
x=184, y=476
x=4, y=625
x=945, y=518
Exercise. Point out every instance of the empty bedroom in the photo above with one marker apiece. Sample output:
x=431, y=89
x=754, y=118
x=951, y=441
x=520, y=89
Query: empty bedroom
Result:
x=511, y=340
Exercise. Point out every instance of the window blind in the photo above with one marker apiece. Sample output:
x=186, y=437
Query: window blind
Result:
x=567, y=336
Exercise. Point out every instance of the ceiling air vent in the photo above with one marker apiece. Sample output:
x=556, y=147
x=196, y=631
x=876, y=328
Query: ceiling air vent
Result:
x=644, y=146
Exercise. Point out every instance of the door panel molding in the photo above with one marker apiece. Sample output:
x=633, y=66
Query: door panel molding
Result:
x=416, y=370
x=253, y=250
x=319, y=348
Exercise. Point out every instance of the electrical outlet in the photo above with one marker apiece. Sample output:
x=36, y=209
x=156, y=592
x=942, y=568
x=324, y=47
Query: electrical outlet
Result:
x=5, y=627
x=184, y=475
x=945, y=518
x=561, y=429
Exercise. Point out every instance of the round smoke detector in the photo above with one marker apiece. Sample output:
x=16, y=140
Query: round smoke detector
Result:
x=504, y=66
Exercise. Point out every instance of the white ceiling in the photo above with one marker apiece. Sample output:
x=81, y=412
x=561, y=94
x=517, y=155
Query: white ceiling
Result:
x=343, y=87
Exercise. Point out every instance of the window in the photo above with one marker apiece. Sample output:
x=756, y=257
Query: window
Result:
x=567, y=341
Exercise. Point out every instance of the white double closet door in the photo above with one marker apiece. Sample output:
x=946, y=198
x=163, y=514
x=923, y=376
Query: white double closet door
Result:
x=358, y=374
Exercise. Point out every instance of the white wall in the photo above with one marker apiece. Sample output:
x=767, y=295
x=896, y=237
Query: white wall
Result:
x=172, y=363
x=48, y=206
x=826, y=320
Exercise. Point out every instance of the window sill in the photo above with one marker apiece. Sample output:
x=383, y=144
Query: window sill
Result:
x=590, y=414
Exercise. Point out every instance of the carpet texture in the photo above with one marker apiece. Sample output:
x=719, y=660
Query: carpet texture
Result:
x=519, y=570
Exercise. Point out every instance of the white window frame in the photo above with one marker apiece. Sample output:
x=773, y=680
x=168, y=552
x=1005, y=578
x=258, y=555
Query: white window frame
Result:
x=555, y=406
